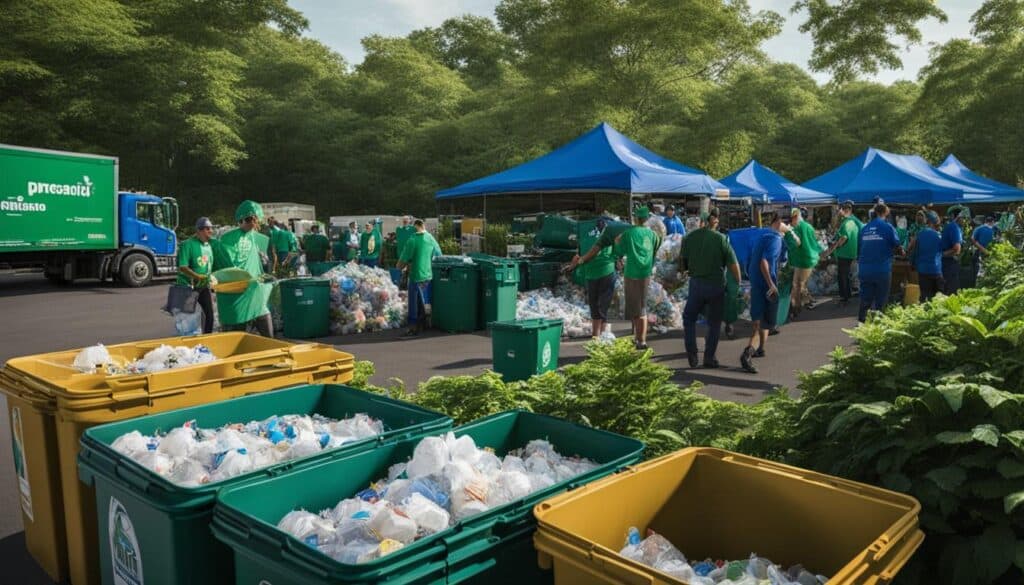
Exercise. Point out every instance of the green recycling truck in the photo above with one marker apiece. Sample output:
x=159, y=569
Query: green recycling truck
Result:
x=62, y=212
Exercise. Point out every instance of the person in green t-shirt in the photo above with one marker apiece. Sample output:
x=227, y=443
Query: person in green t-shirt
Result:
x=244, y=247
x=706, y=254
x=417, y=256
x=369, y=246
x=350, y=243
x=804, y=250
x=403, y=232
x=845, y=248
x=195, y=263
x=316, y=245
x=598, y=265
x=285, y=247
x=637, y=245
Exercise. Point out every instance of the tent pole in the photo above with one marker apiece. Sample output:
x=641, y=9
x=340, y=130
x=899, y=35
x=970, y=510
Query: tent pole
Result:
x=542, y=203
x=485, y=209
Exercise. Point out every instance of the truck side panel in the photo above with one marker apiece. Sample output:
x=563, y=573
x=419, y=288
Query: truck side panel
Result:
x=52, y=201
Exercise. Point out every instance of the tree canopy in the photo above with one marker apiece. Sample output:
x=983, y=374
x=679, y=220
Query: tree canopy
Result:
x=220, y=100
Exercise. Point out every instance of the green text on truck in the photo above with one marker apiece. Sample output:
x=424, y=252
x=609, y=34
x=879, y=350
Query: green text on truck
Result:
x=63, y=212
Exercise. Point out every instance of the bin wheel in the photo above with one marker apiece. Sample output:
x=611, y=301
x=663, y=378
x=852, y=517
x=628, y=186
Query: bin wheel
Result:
x=136, y=270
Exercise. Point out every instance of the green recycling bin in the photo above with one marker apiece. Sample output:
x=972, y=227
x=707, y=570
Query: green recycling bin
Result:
x=456, y=294
x=732, y=303
x=318, y=268
x=540, y=274
x=499, y=284
x=521, y=349
x=306, y=307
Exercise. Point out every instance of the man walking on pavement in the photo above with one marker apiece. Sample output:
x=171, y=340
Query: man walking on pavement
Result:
x=417, y=256
x=982, y=237
x=195, y=263
x=763, y=270
x=638, y=245
x=878, y=241
x=845, y=248
x=804, y=251
x=706, y=254
x=952, y=242
x=673, y=225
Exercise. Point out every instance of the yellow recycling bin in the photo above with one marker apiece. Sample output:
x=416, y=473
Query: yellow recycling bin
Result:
x=53, y=403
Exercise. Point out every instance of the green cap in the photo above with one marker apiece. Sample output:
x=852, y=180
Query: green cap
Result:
x=642, y=213
x=248, y=208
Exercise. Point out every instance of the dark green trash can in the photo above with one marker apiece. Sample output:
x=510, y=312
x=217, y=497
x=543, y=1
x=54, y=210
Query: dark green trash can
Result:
x=306, y=307
x=521, y=349
x=456, y=294
x=541, y=274
x=499, y=288
x=318, y=268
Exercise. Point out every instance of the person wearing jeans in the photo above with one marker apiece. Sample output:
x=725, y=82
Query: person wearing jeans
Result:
x=845, y=248
x=876, y=245
x=417, y=256
x=952, y=241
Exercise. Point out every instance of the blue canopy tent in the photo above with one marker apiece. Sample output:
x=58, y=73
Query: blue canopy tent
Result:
x=600, y=161
x=1001, y=192
x=765, y=186
x=896, y=178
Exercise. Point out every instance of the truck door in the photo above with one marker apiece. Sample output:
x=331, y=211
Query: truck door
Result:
x=149, y=228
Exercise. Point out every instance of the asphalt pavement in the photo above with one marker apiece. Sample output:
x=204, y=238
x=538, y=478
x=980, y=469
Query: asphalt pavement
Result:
x=40, y=317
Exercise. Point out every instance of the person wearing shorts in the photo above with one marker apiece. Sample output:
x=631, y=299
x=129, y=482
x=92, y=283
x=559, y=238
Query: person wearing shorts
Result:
x=598, y=265
x=637, y=245
x=763, y=270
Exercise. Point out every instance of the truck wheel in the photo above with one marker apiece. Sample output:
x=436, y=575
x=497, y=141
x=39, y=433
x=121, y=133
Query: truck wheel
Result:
x=136, y=270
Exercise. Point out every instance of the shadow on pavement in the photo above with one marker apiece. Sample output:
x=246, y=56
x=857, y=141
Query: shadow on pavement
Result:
x=17, y=286
x=18, y=566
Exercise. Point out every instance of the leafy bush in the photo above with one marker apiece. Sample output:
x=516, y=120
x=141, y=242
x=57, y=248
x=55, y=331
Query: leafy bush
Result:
x=496, y=239
x=1002, y=267
x=450, y=247
x=931, y=404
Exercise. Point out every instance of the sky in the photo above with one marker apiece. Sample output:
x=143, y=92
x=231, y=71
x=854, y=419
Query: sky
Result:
x=340, y=24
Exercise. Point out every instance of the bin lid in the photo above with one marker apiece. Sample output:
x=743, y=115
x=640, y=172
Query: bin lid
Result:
x=460, y=261
x=496, y=261
x=304, y=282
x=524, y=324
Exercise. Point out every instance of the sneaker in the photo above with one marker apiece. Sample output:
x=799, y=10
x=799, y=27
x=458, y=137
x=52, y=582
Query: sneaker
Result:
x=642, y=347
x=692, y=358
x=412, y=332
x=711, y=363
x=773, y=332
x=745, y=360
x=759, y=353
x=730, y=332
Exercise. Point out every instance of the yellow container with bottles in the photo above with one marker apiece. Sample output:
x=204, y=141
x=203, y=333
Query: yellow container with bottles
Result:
x=51, y=403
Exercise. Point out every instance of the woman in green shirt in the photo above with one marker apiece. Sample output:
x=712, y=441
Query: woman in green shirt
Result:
x=195, y=262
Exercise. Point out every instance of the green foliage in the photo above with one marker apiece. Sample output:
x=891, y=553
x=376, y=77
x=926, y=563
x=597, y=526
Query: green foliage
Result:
x=1003, y=267
x=496, y=239
x=931, y=404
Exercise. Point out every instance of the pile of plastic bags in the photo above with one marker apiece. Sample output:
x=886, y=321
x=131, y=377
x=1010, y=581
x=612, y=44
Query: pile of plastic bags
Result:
x=567, y=302
x=364, y=299
x=190, y=456
x=162, y=358
x=657, y=552
x=666, y=261
x=664, y=310
x=447, y=480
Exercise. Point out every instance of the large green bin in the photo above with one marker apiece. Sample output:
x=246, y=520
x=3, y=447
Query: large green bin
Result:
x=246, y=516
x=306, y=307
x=318, y=268
x=521, y=349
x=556, y=231
x=499, y=284
x=455, y=298
x=164, y=527
x=534, y=274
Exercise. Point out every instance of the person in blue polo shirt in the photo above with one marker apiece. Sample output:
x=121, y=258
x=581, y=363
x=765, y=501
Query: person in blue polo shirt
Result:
x=673, y=225
x=952, y=240
x=763, y=270
x=982, y=238
x=876, y=244
x=926, y=250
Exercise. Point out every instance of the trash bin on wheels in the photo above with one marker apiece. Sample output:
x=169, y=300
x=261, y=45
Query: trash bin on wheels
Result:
x=521, y=349
x=455, y=294
x=54, y=403
x=499, y=284
x=306, y=307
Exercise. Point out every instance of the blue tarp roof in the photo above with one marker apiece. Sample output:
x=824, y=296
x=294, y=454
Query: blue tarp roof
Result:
x=1001, y=191
x=896, y=178
x=766, y=186
x=600, y=160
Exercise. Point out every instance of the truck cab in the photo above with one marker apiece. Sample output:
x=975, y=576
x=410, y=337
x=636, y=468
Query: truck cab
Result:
x=148, y=244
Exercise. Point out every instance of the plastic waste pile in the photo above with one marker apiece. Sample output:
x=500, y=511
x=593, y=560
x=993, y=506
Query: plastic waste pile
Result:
x=162, y=358
x=664, y=310
x=364, y=299
x=666, y=261
x=445, y=481
x=190, y=456
x=657, y=552
x=567, y=302
x=825, y=281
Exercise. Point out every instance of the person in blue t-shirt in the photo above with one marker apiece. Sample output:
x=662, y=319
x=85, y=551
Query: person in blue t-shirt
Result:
x=926, y=250
x=952, y=240
x=673, y=225
x=876, y=244
x=763, y=271
x=982, y=238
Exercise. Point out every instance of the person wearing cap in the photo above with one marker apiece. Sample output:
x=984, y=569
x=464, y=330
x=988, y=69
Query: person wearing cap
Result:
x=673, y=225
x=637, y=245
x=244, y=247
x=804, y=250
x=369, y=246
x=195, y=263
x=982, y=238
x=952, y=243
x=926, y=252
x=845, y=248
x=875, y=247
x=316, y=245
x=763, y=270
x=598, y=269
x=705, y=256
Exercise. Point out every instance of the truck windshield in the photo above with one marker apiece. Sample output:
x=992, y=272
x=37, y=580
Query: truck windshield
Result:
x=151, y=212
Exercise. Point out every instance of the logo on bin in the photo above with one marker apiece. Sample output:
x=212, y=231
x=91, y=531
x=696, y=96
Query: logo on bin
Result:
x=20, y=465
x=545, y=356
x=124, y=546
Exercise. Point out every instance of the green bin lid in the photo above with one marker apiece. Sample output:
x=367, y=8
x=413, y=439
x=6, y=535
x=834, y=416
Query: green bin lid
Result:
x=304, y=282
x=521, y=324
